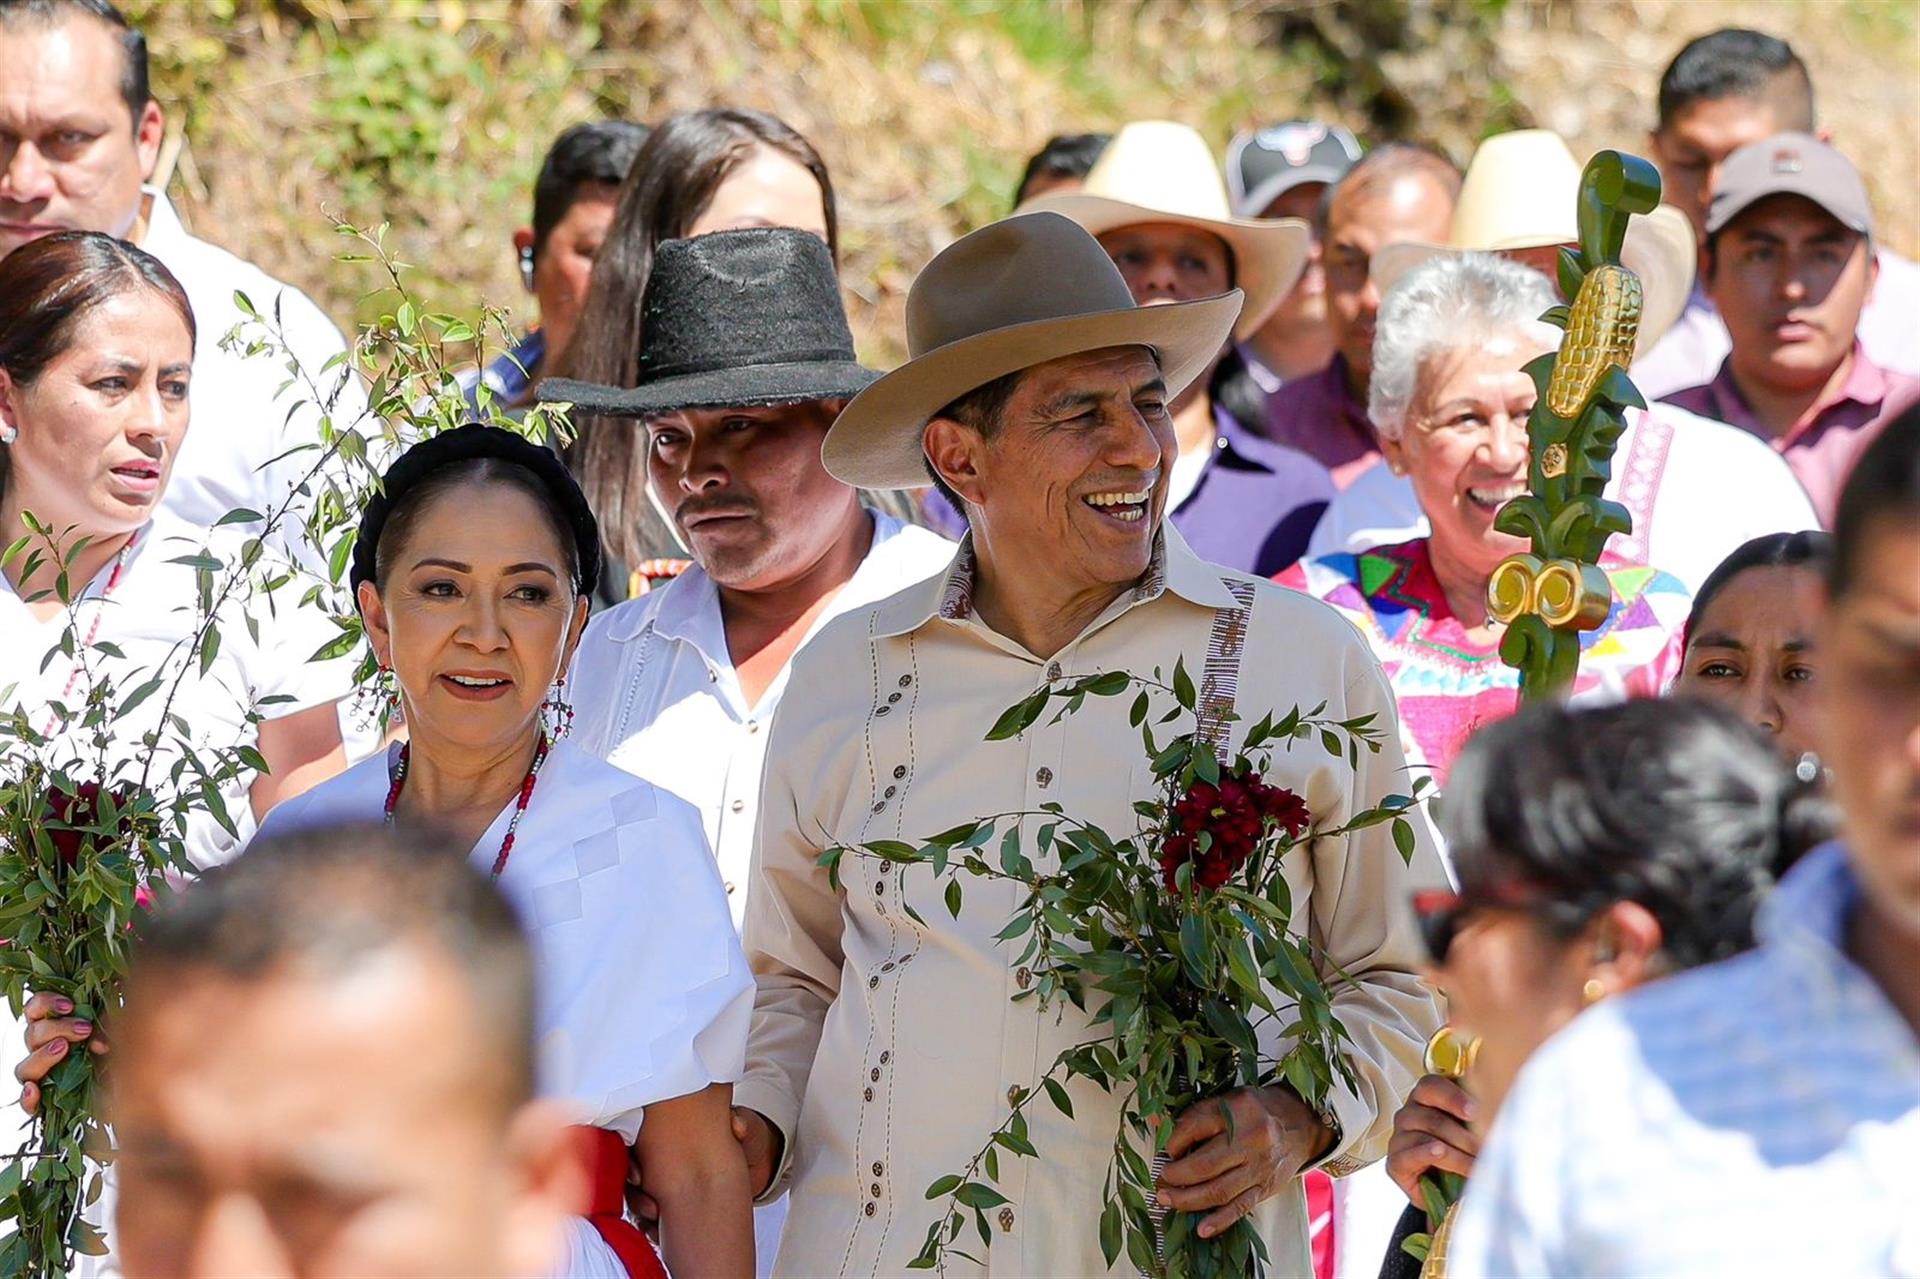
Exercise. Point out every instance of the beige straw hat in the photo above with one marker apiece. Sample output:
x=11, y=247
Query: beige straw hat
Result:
x=1159, y=171
x=1020, y=292
x=1521, y=192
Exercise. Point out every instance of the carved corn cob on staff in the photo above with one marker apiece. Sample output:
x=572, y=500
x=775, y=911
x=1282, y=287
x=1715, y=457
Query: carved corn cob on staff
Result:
x=1548, y=596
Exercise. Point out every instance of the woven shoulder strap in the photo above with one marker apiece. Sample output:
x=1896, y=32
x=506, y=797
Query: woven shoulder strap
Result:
x=1220, y=678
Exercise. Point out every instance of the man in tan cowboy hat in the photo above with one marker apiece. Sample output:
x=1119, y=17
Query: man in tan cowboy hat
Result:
x=1158, y=206
x=1696, y=488
x=886, y=1043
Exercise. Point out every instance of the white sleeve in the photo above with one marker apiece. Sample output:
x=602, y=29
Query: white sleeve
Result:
x=649, y=995
x=280, y=665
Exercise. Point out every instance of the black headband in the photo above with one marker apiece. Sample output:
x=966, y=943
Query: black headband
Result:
x=472, y=443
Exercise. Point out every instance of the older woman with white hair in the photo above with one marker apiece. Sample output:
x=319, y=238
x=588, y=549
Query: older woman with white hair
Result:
x=1450, y=401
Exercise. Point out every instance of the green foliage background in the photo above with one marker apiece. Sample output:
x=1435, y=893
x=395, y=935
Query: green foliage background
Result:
x=433, y=114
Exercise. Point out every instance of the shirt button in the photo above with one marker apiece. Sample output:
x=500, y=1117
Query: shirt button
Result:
x=1006, y=1220
x=753, y=726
x=869, y=1094
x=899, y=771
x=877, y=1169
x=1024, y=977
x=874, y=1074
x=869, y=1209
x=738, y=805
x=1053, y=670
x=729, y=888
x=874, y=1190
x=1044, y=777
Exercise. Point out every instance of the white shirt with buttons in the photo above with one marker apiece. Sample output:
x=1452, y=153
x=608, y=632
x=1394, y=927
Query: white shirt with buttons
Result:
x=654, y=690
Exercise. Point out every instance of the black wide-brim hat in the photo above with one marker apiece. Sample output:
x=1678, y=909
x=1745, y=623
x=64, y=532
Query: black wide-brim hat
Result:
x=733, y=319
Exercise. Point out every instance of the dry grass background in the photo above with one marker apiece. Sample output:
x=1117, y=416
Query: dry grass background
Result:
x=432, y=115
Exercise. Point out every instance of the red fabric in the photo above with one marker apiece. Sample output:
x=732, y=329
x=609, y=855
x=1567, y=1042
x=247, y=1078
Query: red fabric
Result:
x=1319, y=1188
x=605, y=1155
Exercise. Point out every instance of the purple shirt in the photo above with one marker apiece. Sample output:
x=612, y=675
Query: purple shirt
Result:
x=1824, y=444
x=1688, y=353
x=1253, y=508
x=1256, y=502
x=1318, y=416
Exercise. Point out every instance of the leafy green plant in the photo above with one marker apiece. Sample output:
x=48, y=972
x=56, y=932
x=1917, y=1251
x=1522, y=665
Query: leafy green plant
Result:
x=1175, y=940
x=93, y=827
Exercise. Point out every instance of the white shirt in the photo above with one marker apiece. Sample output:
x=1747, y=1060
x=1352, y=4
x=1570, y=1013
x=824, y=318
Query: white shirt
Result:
x=643, y=994
x=1697, y=489
x=244, y=424
x=1755, y=1117
x=150, y=616
x=654, y=690
x=1690, y=353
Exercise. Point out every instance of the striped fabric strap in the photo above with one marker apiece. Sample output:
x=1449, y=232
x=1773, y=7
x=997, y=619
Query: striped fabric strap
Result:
x=1219, y=687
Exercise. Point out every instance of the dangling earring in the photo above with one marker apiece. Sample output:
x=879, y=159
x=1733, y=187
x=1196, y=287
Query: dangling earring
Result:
x=1593, y=992
x=559, y=709
x=8, y=433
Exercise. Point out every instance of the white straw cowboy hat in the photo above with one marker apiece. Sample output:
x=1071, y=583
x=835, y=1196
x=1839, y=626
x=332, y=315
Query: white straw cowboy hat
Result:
x=1020, y=292
x=1521, y=192
x=1159, y=171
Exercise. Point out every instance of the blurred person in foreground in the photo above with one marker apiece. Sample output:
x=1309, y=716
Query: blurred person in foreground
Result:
x=1283, y=171
x=1451, y=402
x=880, y=1046
x=80, y=134
x=325, y=1068
x=1596, y=850
x=573, y=204
x=1790, y=264
x=1397, y=193
x=1157, y=204
x=1061, y=164
x=1749, y=641
x=1759, y=1116
x=1695, y=488
x=1722, y=91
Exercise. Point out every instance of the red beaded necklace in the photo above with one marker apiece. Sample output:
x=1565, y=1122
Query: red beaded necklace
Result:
x=519, y=807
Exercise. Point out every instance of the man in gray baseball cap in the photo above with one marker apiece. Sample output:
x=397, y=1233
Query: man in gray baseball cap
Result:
x=1284, y=171
x=1789, y=264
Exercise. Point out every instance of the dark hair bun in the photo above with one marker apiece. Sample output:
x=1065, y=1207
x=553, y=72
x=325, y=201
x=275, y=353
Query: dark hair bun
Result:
x=475, y=443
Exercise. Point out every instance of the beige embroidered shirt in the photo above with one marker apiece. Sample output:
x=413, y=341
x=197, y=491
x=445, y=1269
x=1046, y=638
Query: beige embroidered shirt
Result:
x=886, y=1050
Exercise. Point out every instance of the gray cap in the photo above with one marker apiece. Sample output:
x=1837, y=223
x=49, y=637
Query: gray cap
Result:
x=1264, y=164
x=1790, y=164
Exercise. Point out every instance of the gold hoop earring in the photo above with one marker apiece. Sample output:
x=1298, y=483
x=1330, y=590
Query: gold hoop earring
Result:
x=1594, y=991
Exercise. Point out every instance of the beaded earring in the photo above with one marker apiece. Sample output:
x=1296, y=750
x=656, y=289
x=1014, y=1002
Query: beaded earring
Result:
x=557, y=711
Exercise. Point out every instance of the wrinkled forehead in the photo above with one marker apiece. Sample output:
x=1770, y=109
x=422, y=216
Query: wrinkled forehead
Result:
x=1113, y=370
x=63, y=68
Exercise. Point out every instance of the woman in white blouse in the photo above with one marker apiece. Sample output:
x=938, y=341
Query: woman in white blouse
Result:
x=473, y=572
x=96, y=353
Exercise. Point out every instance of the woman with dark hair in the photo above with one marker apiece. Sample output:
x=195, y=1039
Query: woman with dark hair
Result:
x=1749, y=640
x=96, y=357
x=720, y=169
x=472, y=570
x=1596, y=850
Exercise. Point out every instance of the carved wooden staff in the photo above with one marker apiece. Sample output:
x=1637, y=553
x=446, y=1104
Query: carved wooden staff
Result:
x=1546, y=597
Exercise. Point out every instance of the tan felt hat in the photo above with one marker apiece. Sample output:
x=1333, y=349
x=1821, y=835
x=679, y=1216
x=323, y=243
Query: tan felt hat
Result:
x=1032, y=288
x=1522, y=192
x=1159, y=171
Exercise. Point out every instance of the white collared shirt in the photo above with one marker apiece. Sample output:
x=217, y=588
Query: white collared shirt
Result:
x=236, y=453
x=1697, y=489
x=654, y=690
x=1755, y=1117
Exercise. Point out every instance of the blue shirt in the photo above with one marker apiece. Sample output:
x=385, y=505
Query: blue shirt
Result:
x=510, y=374
x=1755, y=1117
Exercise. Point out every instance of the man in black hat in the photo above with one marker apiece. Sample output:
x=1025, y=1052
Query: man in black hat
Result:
x=748, y=359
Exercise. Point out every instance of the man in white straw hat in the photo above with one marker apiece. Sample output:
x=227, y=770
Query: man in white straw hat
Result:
x=886, y=1044
x=1695, y=487
x=1158, y=206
